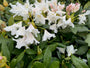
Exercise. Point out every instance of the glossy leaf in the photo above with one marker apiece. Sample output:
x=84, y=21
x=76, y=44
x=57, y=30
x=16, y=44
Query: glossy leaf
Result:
x=55, y=64
x=78, y=62
x=88, y=57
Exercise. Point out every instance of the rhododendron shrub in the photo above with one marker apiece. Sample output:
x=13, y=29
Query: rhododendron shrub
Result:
x=45, y=34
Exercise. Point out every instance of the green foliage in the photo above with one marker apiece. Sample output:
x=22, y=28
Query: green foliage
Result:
x=88, y=40
x=50, y=57
x=11, y=21
x=55, y=64
x=38, y=65
x=47, y=57
x=82, y=50
x=4, y=46
x=88, y=57
x=30, y=51
x=79, y=28
x=87, y=5
x=78, y=62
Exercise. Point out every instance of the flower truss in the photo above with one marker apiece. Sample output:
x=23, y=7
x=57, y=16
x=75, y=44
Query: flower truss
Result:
x=44, y=34
x=52, y=11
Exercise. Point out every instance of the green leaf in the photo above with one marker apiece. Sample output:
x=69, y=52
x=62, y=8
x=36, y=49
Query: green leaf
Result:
x=69, y=65
x=52, y=47
x=19, y=18
x=88, y=24
x=13, y=63
x=4, y=42
x=11, y=21
x=20, y=57
x=39, y=57
x=47, y=57
x=55, y=64
x=88, y=57
x=87, y=5
x=82, y=50
x=38, y=65
x=88, y=39
x=30, y=51
x=78, y=62
x=79, y=29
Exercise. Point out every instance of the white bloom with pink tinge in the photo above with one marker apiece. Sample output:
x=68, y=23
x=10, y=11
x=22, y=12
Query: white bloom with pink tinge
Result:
x=55, y=6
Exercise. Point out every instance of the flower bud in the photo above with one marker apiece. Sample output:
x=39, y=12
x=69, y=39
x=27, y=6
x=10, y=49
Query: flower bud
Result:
x=5, y=3
x=39, y=50
x=3, y=61
x=1, y=57
x=39, y=0
x=2, y=25
x=1, y=7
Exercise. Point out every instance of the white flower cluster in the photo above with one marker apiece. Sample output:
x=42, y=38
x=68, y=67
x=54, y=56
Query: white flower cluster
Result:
x=28, y=34
x=51, y=11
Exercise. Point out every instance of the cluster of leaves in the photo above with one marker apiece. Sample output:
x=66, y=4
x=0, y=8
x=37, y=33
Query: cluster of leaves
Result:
x=45, y=55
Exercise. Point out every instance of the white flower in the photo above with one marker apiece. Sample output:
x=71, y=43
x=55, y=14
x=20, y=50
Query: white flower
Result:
x=39, y=18
x=20, y=43
x=64, y=23
x=43, y=6
x=52, y=17
x=87, y=12
x=33, y=30
x=71, y=50
x=61, y=6
x=61, y=50
x=82, y=17
x=13, y=28
x=54, y=27
x=60, y=12
x=47, y=35
x=21, y=10
x=20, y=32
x=30, y=39
x=27, y=39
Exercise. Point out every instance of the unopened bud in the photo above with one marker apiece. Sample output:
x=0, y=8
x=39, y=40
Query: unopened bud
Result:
x=2, y=25
x=39, y=0
x=39, y=50
x=1, y=7
x=3, y=62
x=1, y=57
x=5, y=3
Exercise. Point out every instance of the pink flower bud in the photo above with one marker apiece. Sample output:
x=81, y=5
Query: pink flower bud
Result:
x=1, y=57
x=51, y=6
x=73, y=7
x=83, y=11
